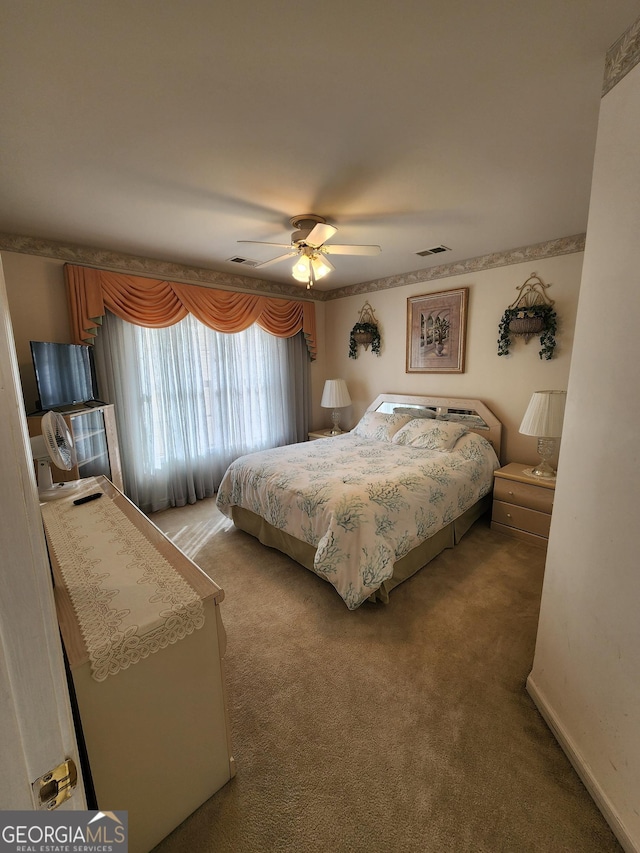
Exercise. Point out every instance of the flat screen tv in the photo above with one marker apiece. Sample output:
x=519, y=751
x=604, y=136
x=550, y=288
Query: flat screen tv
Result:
x=65, y=374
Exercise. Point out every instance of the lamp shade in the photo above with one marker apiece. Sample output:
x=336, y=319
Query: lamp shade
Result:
x=335, y=394
x=321, y=266
x=544, y=415
x=301, y=271
x=302, y=268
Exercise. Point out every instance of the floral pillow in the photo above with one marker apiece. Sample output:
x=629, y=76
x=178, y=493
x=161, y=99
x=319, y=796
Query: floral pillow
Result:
x=379, y=425
x=430, y=435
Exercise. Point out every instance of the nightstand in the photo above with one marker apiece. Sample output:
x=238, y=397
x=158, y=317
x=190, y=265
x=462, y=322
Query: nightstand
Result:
x=319, y=433
x=522, y=504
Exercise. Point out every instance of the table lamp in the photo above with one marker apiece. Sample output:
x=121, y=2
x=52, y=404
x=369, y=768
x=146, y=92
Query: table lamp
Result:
x=543, y=418
x=335, y=396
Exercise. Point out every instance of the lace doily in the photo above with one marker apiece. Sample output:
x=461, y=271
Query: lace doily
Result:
x=129, y=601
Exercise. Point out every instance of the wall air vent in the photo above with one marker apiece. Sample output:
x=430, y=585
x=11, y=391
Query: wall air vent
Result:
x=434, y=250
x=244, y=261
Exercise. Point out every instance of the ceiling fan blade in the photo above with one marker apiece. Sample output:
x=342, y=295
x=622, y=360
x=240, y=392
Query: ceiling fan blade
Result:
x=341, y=249
x=276, y=260
x=319, y=234
x=260, y=243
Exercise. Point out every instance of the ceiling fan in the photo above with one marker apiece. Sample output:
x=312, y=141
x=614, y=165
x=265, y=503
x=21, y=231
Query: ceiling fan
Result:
x=308, y=244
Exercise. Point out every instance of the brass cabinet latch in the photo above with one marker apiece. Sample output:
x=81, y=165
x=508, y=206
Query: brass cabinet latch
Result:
x=56, y=786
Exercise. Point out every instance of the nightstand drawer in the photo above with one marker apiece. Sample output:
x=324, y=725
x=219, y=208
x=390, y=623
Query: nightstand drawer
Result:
x=521, y=518
x=526, y=495
x=531, y=538
x=319, y=433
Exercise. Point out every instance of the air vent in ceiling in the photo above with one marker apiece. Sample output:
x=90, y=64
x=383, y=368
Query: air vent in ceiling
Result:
x=245, y=261
x=434, y=250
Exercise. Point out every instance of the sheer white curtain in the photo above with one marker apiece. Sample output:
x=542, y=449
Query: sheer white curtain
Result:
x=190, y=400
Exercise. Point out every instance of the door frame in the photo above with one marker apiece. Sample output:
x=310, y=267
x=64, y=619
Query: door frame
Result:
x=37, y=731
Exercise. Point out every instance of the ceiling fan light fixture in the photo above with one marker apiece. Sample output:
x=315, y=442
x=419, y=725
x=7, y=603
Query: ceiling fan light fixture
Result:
x=301, y=269
x=304, y=265
x=320, y=267
x=308, y=246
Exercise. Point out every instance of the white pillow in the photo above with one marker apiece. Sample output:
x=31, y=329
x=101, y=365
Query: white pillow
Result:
x=430, y=435
x=380, y=425
x=414, y=412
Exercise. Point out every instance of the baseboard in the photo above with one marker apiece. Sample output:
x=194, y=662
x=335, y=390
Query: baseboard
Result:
x=581, y=768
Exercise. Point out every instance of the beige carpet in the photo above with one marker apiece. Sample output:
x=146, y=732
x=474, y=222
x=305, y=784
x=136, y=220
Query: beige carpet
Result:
x=404, y=727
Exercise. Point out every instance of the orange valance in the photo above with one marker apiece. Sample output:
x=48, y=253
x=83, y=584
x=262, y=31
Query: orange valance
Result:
x=154, y=303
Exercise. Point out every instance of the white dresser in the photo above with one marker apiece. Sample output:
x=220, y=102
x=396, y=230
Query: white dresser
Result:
x=156, y=730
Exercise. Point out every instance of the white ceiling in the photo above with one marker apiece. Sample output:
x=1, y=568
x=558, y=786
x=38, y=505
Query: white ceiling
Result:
x=174, y=128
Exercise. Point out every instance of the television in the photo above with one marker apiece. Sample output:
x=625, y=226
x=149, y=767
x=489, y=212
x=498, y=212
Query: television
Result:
x=65, y=374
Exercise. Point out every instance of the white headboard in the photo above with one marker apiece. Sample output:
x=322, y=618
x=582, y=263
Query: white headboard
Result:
x=473, y=413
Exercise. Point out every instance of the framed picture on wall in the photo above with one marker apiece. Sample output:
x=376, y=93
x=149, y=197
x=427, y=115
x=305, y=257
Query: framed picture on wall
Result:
x=436, y=331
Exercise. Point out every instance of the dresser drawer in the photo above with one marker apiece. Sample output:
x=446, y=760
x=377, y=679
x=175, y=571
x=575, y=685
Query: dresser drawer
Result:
x=524, y=494
x=521, y=518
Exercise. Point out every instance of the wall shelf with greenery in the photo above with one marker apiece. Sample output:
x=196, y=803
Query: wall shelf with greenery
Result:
x=532, y=314
x=365, y=333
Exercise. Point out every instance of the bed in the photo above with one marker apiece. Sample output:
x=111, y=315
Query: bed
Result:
x=367, y=509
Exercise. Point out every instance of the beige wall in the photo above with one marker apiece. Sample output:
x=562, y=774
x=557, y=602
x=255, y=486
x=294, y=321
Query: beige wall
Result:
x=38, y=305
x=504, y=383
x=586, y=673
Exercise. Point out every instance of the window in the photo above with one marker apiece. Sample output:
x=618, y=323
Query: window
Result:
x=189, y=400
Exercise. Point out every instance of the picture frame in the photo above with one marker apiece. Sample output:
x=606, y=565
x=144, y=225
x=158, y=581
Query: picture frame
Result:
x=436, y=331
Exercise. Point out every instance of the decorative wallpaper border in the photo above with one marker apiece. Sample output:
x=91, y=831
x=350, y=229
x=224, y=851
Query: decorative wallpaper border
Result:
x=122, y=262
x=152, y=267
x=622, y=56
x=549, y=249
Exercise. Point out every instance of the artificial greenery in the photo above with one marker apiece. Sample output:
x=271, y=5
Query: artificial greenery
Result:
x=547, y=338
x=369, y=328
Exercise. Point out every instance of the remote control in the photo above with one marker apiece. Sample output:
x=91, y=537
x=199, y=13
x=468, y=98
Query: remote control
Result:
x=87, y=498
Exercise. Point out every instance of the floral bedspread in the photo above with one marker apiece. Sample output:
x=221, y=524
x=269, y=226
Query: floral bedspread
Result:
x=362, y=503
